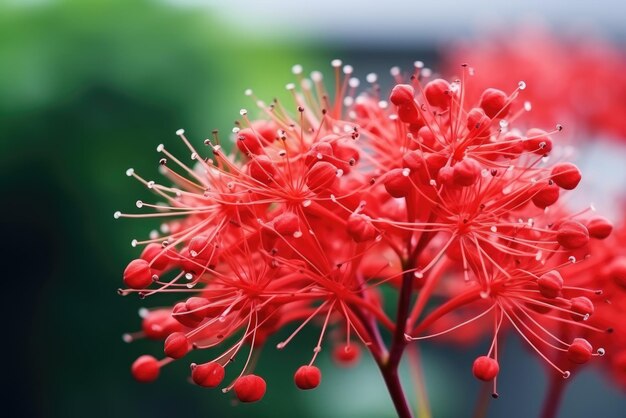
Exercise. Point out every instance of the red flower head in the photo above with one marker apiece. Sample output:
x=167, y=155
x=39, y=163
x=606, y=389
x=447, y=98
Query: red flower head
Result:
x=432, y=193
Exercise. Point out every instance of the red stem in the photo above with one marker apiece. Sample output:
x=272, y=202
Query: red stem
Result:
x=389, y=366
x=394, y=386
x=387, y=369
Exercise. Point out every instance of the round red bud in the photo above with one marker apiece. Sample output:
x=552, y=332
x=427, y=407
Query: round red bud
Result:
x=321, y=177
x=477, y=120
x=287, y=223
x=402, y=94
x=572, y=235
x=538, y=141
x=550, y=284
x=485, y=368
x=176, y=345
x=566, y=175
x=545, y=195
x=145, y=369
x=599, y=227
x=438, y=93
x=208, y=375
x=250, y=388
x=493, y=102
x=581, y=308
x=138, y=274
x=580, y=351
x=397, y=183
x=307, y=377
x=248, y=141
x=466, y=172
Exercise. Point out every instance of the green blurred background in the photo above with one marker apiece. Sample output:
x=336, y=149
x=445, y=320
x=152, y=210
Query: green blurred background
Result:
x=88, y=89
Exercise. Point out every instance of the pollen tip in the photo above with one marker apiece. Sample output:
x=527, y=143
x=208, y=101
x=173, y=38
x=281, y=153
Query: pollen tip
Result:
x=160, y=148
x=180, y=132
x=130, y=172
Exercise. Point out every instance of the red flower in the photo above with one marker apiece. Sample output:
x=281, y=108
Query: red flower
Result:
x=435, y=195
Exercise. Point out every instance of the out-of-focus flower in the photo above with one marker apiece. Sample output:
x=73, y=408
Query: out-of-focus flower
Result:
x=578, y=81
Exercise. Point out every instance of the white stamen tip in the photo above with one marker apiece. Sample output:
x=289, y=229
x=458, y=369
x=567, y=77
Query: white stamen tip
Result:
x=296, y=69
x=336, y=63
x=316, y=76
x=133, y=243
x=117, y=214
x=160, y=148
x=139, y=204
x=290, y=86
x=248, y=92
x=371, y=78
x=180, y=132
x=521, y=85
x=243, y=112
x=130, y=172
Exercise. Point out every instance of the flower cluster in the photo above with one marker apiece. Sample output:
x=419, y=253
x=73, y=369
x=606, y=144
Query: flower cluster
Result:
x=329, y=198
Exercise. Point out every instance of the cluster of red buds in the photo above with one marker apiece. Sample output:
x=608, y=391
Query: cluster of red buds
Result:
x=326, y=200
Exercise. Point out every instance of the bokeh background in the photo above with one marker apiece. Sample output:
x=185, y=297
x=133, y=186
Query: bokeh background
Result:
x=88, y=88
